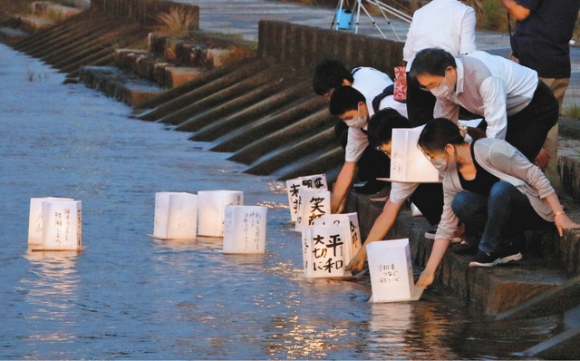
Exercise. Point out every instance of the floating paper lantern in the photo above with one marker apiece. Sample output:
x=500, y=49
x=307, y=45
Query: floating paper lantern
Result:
x=175, y=215
x=391, y=271
x=350, y=219
x=61, y=225
x=317, y=181
x=312, y=203
x=35, y=239
x=325, y=250
x=211, y=209
x=245, y=229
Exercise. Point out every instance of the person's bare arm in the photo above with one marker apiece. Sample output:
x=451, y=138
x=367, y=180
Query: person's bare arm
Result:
x=428, y=275
x=342, y=187
x=378, y=232
x=516, y=10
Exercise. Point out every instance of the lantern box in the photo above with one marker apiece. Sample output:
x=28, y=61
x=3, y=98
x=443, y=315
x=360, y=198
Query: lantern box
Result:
x=350, y=219
x=325, y=251
x=175, y=215
x=55, y=224
x=245, y=229
x=312, y=203
x=391, y=271
x=317, y=181
x=408, y=163
x=211, y=210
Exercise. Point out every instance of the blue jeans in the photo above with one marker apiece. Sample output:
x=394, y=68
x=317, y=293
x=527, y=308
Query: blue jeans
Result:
x=501, y=217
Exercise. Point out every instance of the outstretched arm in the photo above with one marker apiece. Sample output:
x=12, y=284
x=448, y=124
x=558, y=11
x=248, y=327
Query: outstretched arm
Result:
x=378, y=232
x=428, y=275
x=342, y=187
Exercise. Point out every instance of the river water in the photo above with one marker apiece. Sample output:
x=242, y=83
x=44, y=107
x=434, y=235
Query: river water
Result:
x=128, y=296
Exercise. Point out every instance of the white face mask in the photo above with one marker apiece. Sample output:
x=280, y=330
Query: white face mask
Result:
x=357, y=122
x=443, y=91
x=439, y=163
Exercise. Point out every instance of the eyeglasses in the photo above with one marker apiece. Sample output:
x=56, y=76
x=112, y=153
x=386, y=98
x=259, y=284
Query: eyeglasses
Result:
x=430, y=158
x=424, y=88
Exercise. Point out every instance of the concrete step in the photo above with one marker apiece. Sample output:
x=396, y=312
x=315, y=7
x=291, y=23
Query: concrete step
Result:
x=119, y=84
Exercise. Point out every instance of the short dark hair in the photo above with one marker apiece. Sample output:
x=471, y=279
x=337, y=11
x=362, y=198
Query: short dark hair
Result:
x=328, y=75
x=382, y=123
x=438, y=133
x=432, y=61
x=343, y=99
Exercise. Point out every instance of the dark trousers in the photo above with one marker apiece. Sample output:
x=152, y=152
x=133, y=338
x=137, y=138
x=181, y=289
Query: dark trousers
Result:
x=372, y=164
x=428, y=197
x=527, y=130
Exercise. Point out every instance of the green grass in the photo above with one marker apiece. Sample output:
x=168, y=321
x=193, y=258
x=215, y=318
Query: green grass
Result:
x=571, y=111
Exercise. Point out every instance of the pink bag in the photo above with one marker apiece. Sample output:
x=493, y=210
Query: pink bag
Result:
x=400, y=91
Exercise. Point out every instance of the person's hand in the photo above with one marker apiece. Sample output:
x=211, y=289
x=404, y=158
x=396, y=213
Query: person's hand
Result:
x=542, y=159
x=425, y=279
x=357, y=263
x=563, y=222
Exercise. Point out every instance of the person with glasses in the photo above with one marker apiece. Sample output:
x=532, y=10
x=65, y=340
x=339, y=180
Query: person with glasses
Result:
x=361, y=160
x=491, y=185
x=515, y=104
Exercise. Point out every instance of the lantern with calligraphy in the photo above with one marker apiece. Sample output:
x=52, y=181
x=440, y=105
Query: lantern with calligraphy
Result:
x=325, y=250
x=312, y=203
x=35, y=220
x=245, y=229
x=408, y=164
x=317, y=181
x=391, y=271
x=351, y=219
x=61, y=225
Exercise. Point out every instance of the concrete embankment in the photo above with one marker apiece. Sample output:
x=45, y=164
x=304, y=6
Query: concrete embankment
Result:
x=260, y=107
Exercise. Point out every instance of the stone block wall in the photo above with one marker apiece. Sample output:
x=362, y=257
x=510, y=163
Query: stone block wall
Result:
x=143, y=11
x=307, y=45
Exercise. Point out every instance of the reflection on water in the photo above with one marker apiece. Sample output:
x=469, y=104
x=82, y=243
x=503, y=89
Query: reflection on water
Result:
x=130, y=296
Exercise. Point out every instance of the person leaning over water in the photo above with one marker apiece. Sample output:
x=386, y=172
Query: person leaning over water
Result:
x=488, y=184
x=515, y=104
x=428, y=197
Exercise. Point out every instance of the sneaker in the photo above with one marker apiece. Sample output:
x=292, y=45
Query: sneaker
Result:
x=383, y=195
x=484, y=259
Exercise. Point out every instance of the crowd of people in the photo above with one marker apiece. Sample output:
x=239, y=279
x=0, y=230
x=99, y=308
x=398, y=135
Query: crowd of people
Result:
x=497, y=178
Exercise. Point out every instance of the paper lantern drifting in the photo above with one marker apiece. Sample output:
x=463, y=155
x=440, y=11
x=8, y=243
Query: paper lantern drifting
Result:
x=326, y=250
x=317, y=181
x=245, y=229
x=211, y=210
x=408, y=163
x=312, y=203
x=175, y=215
x=350, y=219
x=55, y=224
x=391, y=271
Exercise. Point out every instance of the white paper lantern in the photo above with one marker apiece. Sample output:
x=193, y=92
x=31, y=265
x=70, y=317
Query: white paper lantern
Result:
x=350, y=219
x=325, y=250
x=408, y=163
x=317, y=181
x=175, y=215
x=391, y=271
x=35, y=220
x=312, y=203
x=245, y=229
x=61, y=225
x=211, y=209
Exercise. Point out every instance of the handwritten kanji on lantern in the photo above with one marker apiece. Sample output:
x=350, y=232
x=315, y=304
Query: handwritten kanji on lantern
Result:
x=35, y=224
x=61, y=225
x=391, y=271
x=351, y=219
x=175, y=215
x=211, y=210
x=324, y=252
x=408, y=164
x=312, y=203
x=245, y=229
x=317, y=181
